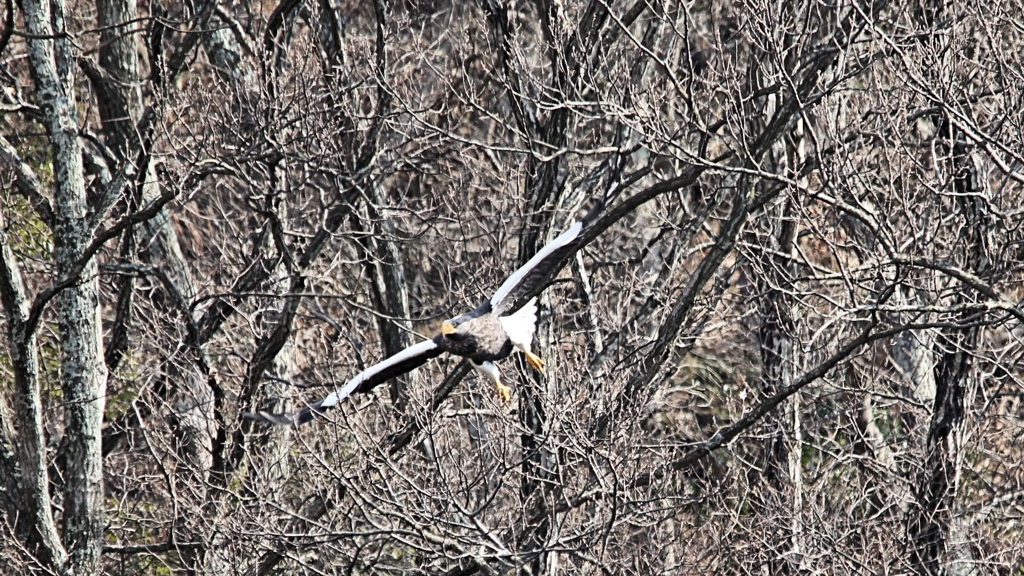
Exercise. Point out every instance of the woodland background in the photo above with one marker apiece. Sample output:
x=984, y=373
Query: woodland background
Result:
x=794, y=347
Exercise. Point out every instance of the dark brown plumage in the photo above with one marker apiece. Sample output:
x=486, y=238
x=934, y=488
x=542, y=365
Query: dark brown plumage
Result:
x=482, y=339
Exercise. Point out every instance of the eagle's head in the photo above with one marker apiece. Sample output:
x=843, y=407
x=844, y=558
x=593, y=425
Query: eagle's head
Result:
x=449, y=329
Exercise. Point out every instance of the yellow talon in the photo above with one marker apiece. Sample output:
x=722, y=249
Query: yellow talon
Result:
x=535, y=362
x=504, y=391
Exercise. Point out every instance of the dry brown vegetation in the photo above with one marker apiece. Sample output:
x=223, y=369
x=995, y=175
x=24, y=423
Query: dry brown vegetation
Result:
x=793, y=348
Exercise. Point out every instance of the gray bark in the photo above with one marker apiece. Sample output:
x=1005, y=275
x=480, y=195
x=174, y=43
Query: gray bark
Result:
x=389, y=293
x=935, y=543
x=191, y=397
x=585, y=292
x=270, y=448
x=119, y=104
x=545, y=185
x=35, y=517
x=912, y=355
x=120, y=100
x=225, y=47
x=83, y=372
x=777, y=339
x=779, y=360
x=10, y=475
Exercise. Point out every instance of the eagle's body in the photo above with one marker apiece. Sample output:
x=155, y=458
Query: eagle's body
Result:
x=481, y=340
x=489, y=337
x=482, y=335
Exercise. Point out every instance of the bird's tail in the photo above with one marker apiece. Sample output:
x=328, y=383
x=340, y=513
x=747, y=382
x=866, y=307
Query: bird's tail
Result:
x=521, y=325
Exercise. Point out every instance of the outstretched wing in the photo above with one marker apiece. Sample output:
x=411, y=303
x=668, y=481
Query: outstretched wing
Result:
x=543, y=265
x=405, y=361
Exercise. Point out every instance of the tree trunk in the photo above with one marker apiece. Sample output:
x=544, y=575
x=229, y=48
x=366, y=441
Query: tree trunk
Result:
x=35, y=523
x=777, y=339
x=932, y=524
x=389, y=292
x=120, y=101
x=83, y=372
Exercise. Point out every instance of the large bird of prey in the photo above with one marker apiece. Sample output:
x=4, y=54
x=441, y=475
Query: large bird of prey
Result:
x=483, y=335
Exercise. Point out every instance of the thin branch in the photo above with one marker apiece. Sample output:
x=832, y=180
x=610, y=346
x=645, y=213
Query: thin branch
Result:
x=73, y=277
x=151, y=548
x=399, y=440
x=967, y=278
x=727, y=434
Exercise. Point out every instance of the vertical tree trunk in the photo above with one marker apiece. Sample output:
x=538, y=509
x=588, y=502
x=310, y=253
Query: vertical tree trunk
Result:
x=35, y=523
x=120, y=101
x=778, y=360
x=83, y=372
x=389, y=292
x=118, y=104
x=539, y=463
x=937, y=483
x=931, y=522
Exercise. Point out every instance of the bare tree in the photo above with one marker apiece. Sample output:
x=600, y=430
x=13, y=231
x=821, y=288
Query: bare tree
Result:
x=789, y=343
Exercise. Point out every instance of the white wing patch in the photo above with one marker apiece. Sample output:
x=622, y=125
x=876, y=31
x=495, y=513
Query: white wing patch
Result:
x=350, y=387
x=517, y=276
x=521, y=325
x=489, y=370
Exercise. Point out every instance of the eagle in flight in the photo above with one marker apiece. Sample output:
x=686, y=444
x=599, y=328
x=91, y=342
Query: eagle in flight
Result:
x=483, y=335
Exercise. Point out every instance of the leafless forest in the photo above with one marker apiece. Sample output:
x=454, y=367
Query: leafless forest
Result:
x=791, y=346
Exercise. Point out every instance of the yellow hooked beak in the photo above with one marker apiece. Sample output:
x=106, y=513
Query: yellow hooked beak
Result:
x=447, y=328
